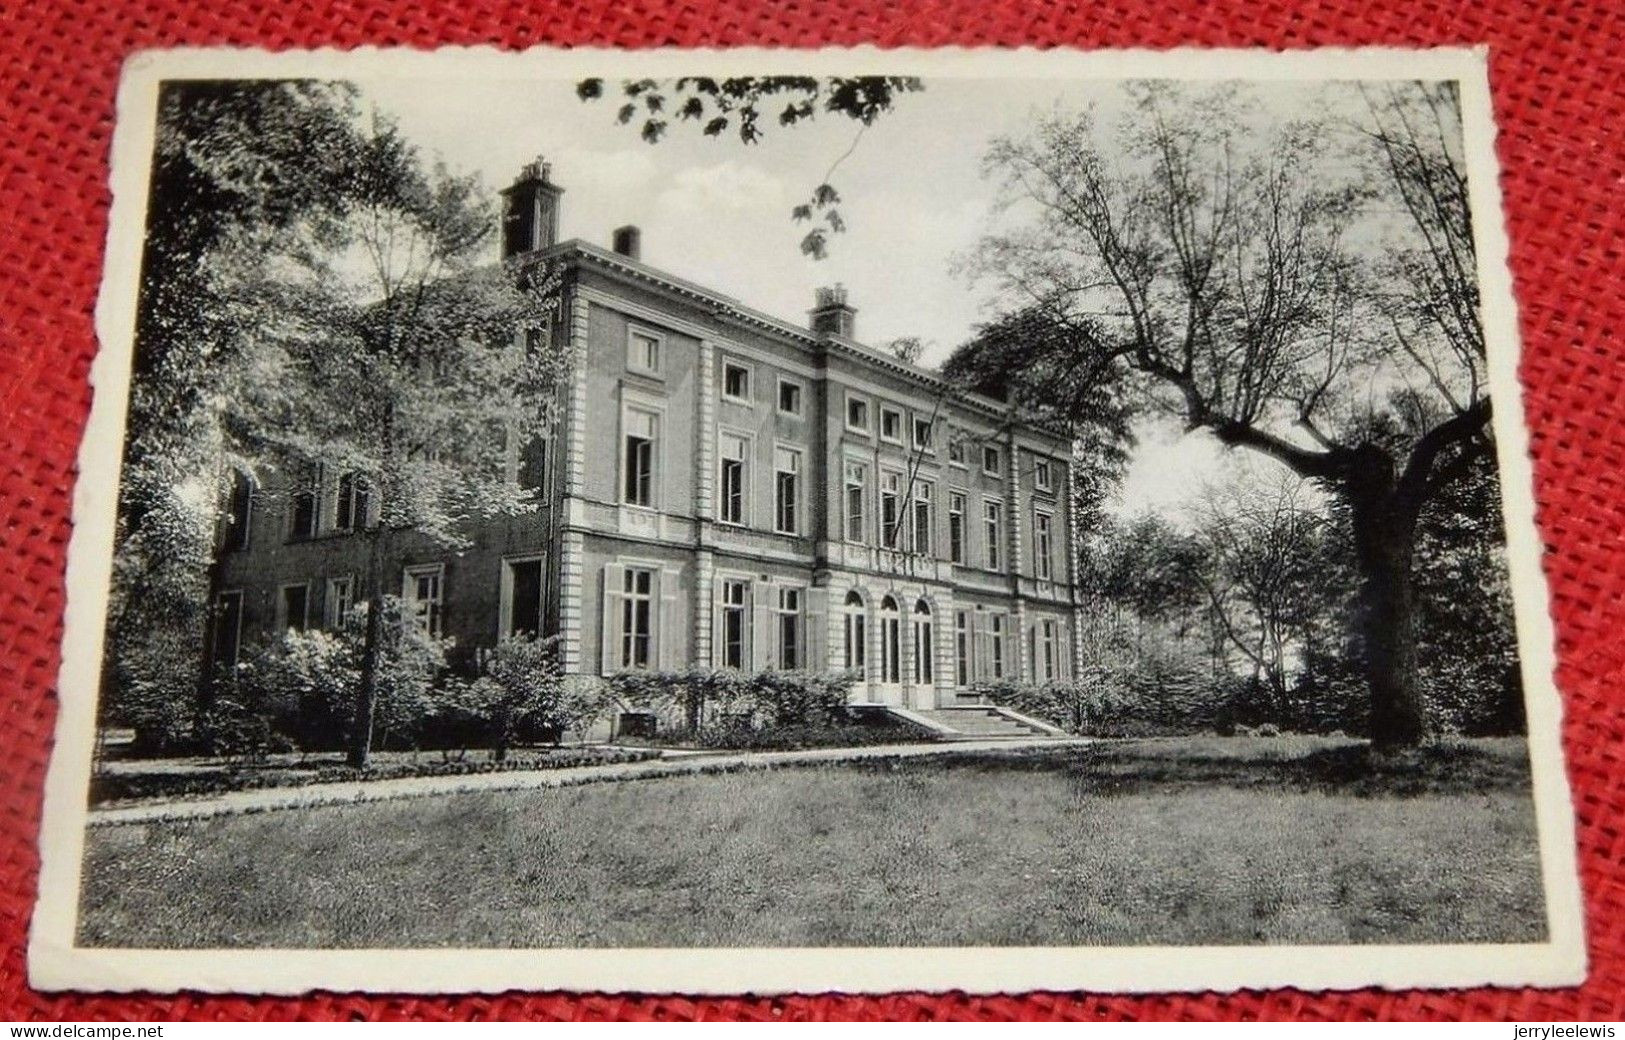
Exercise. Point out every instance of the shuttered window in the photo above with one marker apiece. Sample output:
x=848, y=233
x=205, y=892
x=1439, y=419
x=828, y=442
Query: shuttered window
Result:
x=638, y=457
x=962, y=650
x=787, y=490
x=734, y=622
x=733, y=480
x=857, y=486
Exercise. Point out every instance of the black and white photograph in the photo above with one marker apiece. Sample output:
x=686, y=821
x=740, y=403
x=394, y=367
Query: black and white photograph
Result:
x=829, y=520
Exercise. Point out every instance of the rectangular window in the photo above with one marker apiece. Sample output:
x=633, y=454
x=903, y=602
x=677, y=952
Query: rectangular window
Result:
x=293, y=612
x=1043, y=543
x=302, y=515
x=533, y=464
x=524, y=598
x=962, y=662
x=857, y=414
x=857, y=493
x=340, y=601
x=638, y=460
x=956, y=527
x=956, y=448
x=996, y=647
x=637, y=618
x=354, y=501
x=424, y=593
x=924, y=542
x=239, y=512
x=891, y=425
x=789, y=397
x=733, y=479
x=787, y=626
x=643, y=352
x=735, y=622
x=786, y=490
x=890, y=508
x=228, y=628
x=993, y=529
x=990, y=460
x=736, y=382
x=1041, y=475
x=922, y=434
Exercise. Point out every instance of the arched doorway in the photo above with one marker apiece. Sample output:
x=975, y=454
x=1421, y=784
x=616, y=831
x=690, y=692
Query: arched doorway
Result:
x=889, y=688
x=855, y=640
x=922, y=672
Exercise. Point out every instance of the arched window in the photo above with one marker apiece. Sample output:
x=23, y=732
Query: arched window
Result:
x=855, y=631
x=923, y=643
x=891, y=642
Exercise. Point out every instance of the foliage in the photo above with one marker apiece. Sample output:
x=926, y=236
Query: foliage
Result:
x=385, y=351
x=690, y=700
x=1163, y=693
x=522, y=693
x=739, y=104
x=798, y=736
x=236, y=165
x=302, y=684
x=1223, y=271
x=227, y=729
x=907, y=349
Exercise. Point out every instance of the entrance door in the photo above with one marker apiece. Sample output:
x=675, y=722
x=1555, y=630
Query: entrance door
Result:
x=889, y=679
x=922, y=665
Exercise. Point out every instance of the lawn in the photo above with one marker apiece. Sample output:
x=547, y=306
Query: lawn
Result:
x=1213, y=841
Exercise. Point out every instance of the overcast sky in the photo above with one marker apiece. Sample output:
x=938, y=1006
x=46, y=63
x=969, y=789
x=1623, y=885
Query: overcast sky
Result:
x=717, y=212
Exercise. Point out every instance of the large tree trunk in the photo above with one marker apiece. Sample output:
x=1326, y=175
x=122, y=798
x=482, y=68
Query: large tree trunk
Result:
x=1385, y=541
x=366, y=698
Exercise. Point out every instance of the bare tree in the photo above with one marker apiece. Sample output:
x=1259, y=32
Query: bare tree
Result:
x=1221, y=267
x=1259, y=571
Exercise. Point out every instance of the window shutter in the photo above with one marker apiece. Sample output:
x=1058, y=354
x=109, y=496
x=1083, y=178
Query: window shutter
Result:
x=815, y=616
x=983, y=655
x=610, y=632
x=761, y=624
x=664, y=628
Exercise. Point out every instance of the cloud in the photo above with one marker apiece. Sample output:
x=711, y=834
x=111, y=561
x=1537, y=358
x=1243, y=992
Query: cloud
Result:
x=609, y=173
x=707, y=193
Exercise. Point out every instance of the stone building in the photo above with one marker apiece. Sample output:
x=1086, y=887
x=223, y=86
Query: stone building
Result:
x=726, y=489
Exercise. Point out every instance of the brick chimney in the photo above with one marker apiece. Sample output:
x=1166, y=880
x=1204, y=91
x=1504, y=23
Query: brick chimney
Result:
x=530, y=210
x=831, y=315
x=628, y=241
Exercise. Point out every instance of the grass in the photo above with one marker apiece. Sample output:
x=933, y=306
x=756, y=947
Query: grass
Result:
x=1221, y=841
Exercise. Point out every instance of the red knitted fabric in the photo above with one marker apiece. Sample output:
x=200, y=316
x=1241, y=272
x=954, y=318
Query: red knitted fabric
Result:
x=1559, y=89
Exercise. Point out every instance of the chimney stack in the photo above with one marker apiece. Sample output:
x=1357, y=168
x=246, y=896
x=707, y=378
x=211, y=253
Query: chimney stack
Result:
x=530, y=210
x=831, y=315
x=628, y=241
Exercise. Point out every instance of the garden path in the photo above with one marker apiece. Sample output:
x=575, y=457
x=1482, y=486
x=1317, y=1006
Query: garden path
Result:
x=357, y=791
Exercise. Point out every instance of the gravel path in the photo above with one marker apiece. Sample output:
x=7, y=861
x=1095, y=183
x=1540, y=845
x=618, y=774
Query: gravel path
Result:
x=357, y=791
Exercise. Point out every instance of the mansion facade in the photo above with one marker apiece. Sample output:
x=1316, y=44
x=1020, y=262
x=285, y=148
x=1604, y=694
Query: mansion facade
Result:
x=724, y=490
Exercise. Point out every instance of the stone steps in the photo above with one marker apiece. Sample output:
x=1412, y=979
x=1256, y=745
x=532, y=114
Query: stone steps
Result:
x=978, y=723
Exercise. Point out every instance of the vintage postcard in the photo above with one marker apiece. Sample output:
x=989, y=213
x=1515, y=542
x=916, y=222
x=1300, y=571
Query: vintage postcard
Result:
x=845, y=520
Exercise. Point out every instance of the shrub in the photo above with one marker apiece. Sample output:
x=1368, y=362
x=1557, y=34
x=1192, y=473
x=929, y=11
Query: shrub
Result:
x=523, y=694
x=691, y=700
x=796, y=737
x=303, y=684
x=1140, y=701
x=228, y=729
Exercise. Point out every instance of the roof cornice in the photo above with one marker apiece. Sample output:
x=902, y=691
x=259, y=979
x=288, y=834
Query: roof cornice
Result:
x=727, y=308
